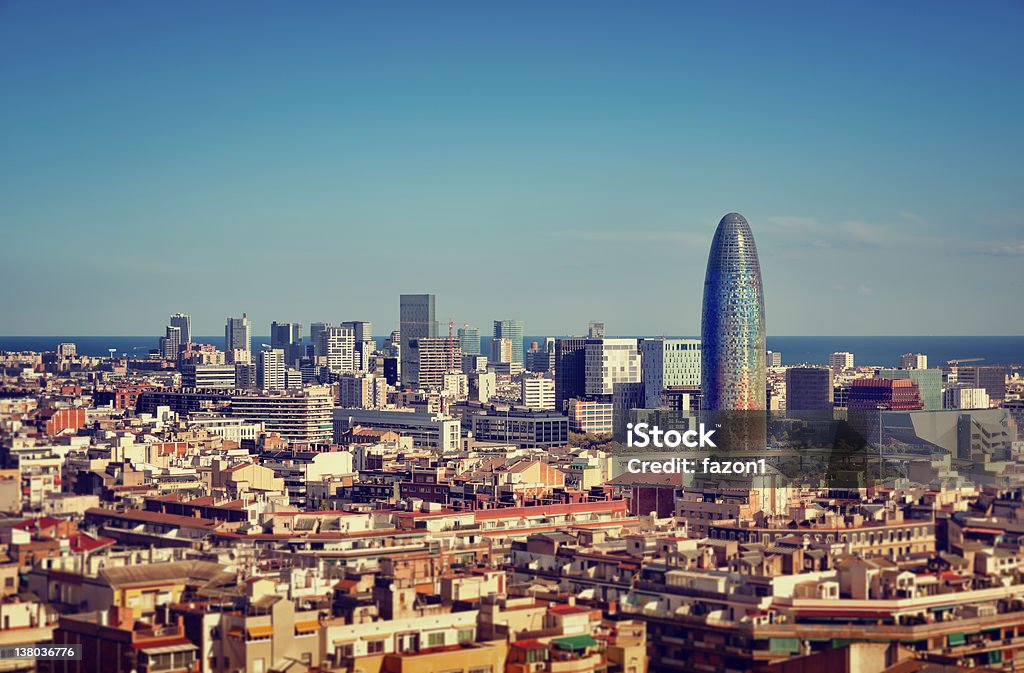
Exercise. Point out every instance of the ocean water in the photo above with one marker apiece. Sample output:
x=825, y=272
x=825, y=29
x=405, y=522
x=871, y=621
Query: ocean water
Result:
x=868, y=350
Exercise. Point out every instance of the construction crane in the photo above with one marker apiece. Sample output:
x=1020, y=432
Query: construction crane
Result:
x=957, y=361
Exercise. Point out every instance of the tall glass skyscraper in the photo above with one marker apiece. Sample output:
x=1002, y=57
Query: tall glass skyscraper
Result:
x=732, y=325
x=513, y=331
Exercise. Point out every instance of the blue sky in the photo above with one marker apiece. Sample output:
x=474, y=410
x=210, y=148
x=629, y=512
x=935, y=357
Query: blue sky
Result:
x=554, y=162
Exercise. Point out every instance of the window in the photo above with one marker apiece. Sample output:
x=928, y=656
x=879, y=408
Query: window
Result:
x=375, y=647
x=481, y=669
x=435, y=639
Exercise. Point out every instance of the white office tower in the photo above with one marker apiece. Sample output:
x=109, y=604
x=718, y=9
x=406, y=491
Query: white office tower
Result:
x=271, y=370
x=538, y=393
x=840, y=361
x=966, y=397
x=501, y=349
x=773, y=359
x=417, y=320
x=913, y=361
x=610, y=361
x=170, y=343
x=293, y=379
x=238, y=334
x=362, y=331
x=666, y=363
x=184, y=323
x=338, y=345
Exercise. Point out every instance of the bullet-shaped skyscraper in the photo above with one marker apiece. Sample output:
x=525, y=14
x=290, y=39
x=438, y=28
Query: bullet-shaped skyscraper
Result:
x=732, y=324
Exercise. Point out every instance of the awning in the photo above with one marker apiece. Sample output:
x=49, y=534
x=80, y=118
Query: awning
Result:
x=306, y=627
x=574, y=643
x=235, y=633
x=260, y=631
x=169, y=649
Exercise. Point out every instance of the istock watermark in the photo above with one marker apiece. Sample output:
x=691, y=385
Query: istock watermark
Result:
x=644, y=435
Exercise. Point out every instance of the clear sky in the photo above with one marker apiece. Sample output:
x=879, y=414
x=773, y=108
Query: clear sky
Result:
x=551, y=161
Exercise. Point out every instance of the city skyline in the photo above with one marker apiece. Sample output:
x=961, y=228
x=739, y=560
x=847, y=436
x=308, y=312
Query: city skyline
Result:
x=466, y=139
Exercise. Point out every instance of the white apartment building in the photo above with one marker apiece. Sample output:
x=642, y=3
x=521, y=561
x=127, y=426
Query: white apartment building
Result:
x=913, y=361
x=840, y=361
x=271, y=369
x=538, y=393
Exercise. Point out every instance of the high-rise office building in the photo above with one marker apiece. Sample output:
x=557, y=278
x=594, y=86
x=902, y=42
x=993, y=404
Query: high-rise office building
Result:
x=609, y=362
x=570, y=370
x=338, y=345
x=666, y=363
x=362, y=331
x=315, y=330
x=184, y=323
x=417, y=317
x=430, y=359
x=501, y=350
x=595, y=330
x=271, y=370
x=238, y=334
x=733, y=370
x=416, y=320
x=469, y=340
x=840, y=361
x=913, y=361
x=773, y=359
x=287, y=336
x=170, y=342
x=513, y=331
x=809, y=392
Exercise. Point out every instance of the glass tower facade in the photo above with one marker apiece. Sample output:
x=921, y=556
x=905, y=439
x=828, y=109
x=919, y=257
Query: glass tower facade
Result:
x=732, y=324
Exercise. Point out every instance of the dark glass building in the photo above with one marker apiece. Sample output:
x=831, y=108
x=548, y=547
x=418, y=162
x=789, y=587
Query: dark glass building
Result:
x=733, y=367
x=570, y=370
x=809, y=393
